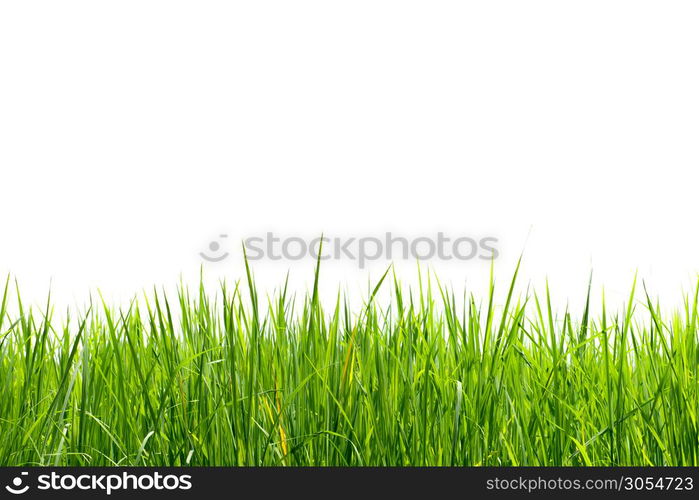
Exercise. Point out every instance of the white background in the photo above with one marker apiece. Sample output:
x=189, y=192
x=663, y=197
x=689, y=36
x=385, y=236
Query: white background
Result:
x=132, y=133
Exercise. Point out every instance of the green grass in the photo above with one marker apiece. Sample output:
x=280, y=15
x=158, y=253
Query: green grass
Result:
x=410, y=377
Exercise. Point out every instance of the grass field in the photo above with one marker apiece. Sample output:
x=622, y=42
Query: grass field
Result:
x=421, y=377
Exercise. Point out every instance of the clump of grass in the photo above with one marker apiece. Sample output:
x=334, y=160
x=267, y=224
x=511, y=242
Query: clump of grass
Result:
x=422, y=378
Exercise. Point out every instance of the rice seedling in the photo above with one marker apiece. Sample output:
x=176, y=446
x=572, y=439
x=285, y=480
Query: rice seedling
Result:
x=408, y=378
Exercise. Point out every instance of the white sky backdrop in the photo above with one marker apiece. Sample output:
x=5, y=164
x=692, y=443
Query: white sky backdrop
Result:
x=134, y=132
